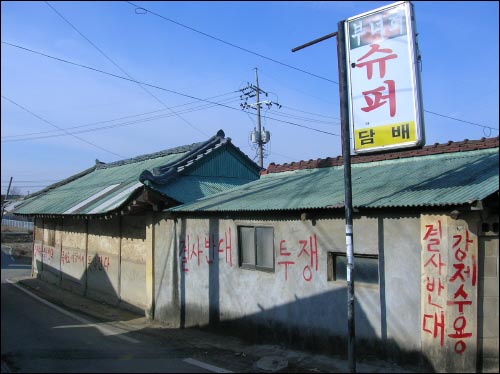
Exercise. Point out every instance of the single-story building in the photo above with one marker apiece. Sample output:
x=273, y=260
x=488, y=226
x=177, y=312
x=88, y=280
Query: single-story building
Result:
x=269, y=258
x=94, y=231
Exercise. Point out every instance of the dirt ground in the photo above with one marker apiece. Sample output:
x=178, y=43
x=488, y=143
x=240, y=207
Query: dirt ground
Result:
x=21, y=241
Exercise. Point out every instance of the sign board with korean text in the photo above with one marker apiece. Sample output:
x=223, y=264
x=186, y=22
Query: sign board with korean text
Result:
x=385, y=107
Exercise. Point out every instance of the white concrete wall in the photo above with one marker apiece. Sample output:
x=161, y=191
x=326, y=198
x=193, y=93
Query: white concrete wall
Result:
x=51, y=251
x=74, y=255
x=488, y=308
x=37, y=247
x=297, y=298
x=135, y=245
x=105, y=259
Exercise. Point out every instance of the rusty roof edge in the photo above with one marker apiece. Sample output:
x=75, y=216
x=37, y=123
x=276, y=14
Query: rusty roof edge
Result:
x=449, y=147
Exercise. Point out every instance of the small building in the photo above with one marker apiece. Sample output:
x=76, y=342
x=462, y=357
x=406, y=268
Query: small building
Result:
x=268, y=258
x=94, y=231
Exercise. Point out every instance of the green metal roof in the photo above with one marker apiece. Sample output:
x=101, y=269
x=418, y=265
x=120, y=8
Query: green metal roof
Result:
x=432, y=180
x=100, y=190
x=182, y=174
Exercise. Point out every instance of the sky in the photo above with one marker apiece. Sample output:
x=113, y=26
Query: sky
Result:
x=57, y=118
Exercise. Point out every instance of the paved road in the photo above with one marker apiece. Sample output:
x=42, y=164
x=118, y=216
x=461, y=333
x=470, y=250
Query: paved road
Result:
x=14, y=266
x=39, y=337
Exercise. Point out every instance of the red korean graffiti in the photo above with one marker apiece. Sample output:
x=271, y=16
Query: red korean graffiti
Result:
x=433, y=320
x=306, y=248
x=48, y=253
x=210, y=247
x=37, y=250
x=464, y=273
x=71, y=257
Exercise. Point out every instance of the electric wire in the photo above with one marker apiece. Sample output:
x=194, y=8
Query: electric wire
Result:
x=288, y=115
x=195, y=98
x=314, y=114
x=123, y=71
x=296, y=89
x=231, y=44
x=427, y=111
x=31, y=136
x=50, y=123
x=39, y=181
x=154, y=86
x=456, y=119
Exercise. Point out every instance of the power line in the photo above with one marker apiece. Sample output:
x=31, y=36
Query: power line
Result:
x=123, y=71
x=296, y=89
x=456, y=119
x=30, y=136
x=154, y=86
x=40, y=181
x=231, y=44
x=314, y=114
x=307, y=119
x=195, y=98
x=29, y=186
x=50, y=123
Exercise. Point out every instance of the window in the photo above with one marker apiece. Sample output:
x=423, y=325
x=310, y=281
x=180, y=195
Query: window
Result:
x=256, y=245
x=365, y=268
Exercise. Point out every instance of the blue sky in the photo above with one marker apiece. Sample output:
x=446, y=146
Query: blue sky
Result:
x=458, y=42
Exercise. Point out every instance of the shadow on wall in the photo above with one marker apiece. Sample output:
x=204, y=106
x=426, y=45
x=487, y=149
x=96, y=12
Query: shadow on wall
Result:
x=277, y=325
x=94, y=283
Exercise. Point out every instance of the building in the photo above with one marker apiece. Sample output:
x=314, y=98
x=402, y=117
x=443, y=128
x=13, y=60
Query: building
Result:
x=94, y=231
x=268, y=258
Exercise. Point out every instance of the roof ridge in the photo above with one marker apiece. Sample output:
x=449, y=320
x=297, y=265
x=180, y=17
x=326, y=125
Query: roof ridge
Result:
x=436, y=148
x=150, y=156
x=161, y=174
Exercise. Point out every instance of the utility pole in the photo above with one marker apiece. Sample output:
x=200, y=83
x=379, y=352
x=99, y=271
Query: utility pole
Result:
x=346, y=153
x=259, y=130
x=259, y=136
x=5, y=199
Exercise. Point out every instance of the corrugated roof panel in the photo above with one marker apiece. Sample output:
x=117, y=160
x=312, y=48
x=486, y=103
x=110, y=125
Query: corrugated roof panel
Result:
x=227, y=163
x=189, y=188
x=444, y=179
x=90, y=199
x=116, y=200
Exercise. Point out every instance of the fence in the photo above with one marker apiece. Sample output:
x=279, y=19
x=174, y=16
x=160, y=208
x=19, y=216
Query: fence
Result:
x=25, y=225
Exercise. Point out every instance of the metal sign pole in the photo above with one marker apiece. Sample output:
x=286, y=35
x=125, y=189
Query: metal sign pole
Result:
x=346, y=153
